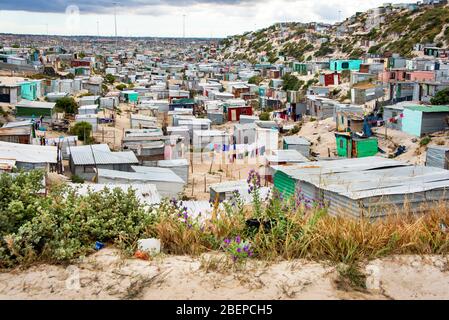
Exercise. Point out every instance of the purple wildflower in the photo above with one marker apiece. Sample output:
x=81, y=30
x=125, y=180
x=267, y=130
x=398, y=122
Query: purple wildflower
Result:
x=238, y=239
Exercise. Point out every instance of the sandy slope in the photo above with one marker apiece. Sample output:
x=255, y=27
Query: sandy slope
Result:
x=106, y=276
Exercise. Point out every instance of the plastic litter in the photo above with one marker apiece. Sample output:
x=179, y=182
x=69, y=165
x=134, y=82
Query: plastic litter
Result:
x=151, y=245
x=99, y=245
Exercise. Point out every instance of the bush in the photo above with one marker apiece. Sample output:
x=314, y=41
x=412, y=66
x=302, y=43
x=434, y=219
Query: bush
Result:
x=67, y=105
x=121, y=87
x=425, y=141
x=82, y=130
x=264, y=116
x=109, y=78
x=441, y=97
x=77, y=179
x=64, y=225
x=255, y=80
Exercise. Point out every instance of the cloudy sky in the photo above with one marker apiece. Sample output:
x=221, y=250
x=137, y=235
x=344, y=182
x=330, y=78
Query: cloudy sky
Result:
x=203, y=18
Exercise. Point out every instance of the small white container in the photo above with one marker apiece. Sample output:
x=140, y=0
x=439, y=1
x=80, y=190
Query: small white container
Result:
x=152, y=245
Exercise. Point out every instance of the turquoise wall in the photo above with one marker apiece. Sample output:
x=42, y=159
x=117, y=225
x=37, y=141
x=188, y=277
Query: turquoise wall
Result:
x=29, y=90
x=340, y=65
x=411, y=123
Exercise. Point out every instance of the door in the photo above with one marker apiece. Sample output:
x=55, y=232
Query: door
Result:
x=233, y=115
x=354, y=149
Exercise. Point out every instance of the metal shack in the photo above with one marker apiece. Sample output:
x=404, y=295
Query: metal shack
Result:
x=225, y=191
x=179, y=166
x=438, y=157
x=300, y=144
x=16, y=135
x=29, y=157
x=351, y=146
x=83, y=160
x=282, y=157
x=370, y=188
x=244, y=133
x=35, y=109
x=420, y=120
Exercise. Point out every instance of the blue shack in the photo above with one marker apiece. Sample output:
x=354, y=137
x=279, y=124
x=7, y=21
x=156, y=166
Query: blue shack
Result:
x=340, y=65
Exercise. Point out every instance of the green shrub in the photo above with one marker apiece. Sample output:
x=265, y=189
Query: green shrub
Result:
x=82, y=130
x=67, y=105
x=425, y=141
x=264, y=116
x=77, y=179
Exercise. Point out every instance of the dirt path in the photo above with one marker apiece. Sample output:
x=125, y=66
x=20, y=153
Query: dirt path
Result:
x=105, y=275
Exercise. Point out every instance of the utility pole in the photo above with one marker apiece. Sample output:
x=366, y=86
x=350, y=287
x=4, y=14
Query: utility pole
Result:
x=115, y=24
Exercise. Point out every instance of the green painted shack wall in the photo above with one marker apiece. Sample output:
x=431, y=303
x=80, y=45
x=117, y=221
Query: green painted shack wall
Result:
x=132, y=97
x=36, y=112
x=29, y=90
x=412, y=122
x=300, y=68
x=353, y=65
x=284, y=184
x=366, y=147
x=342, y=146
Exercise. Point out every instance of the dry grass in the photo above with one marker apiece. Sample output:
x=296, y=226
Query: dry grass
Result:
x=317, y=236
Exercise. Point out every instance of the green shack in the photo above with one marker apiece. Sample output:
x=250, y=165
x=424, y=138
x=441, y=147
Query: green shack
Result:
x=28, y=90
x=299, y=67
x=284, y=183
x=35, y=109
x=130, y=96
x=354, y=147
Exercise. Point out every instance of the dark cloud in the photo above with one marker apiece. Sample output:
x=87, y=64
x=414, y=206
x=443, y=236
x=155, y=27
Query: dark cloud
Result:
x=106, y=6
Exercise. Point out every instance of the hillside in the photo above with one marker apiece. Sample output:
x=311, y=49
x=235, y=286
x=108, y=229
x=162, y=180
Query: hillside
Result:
x=374, y=31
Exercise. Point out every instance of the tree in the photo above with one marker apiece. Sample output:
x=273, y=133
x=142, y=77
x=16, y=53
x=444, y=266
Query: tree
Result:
x=109, y=78
x=255, y=80
x=67, y=105
x=291, y=82
x=82, y=130
x=441, y=97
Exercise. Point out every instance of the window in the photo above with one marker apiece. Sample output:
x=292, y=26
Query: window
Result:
x=345, y=65
x=4, y=90
x=89, y=169
x=341, y=143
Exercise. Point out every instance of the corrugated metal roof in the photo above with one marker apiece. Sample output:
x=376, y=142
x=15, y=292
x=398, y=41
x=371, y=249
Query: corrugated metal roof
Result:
x=164, y=175
x=158, y=174
x=286, y=156
x=146, y=193
x=28, y=153
x=84, y=155
x=296, y=140
x=365, y=180
x=429, y=108
x=17, y=124
x=172, y=163
x=35, y=104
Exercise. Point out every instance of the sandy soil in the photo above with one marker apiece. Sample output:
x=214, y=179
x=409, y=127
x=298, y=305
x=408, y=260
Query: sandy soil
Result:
x=321, y=134
x=105, y=275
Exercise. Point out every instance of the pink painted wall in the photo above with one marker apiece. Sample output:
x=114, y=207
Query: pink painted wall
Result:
x=422, y=76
